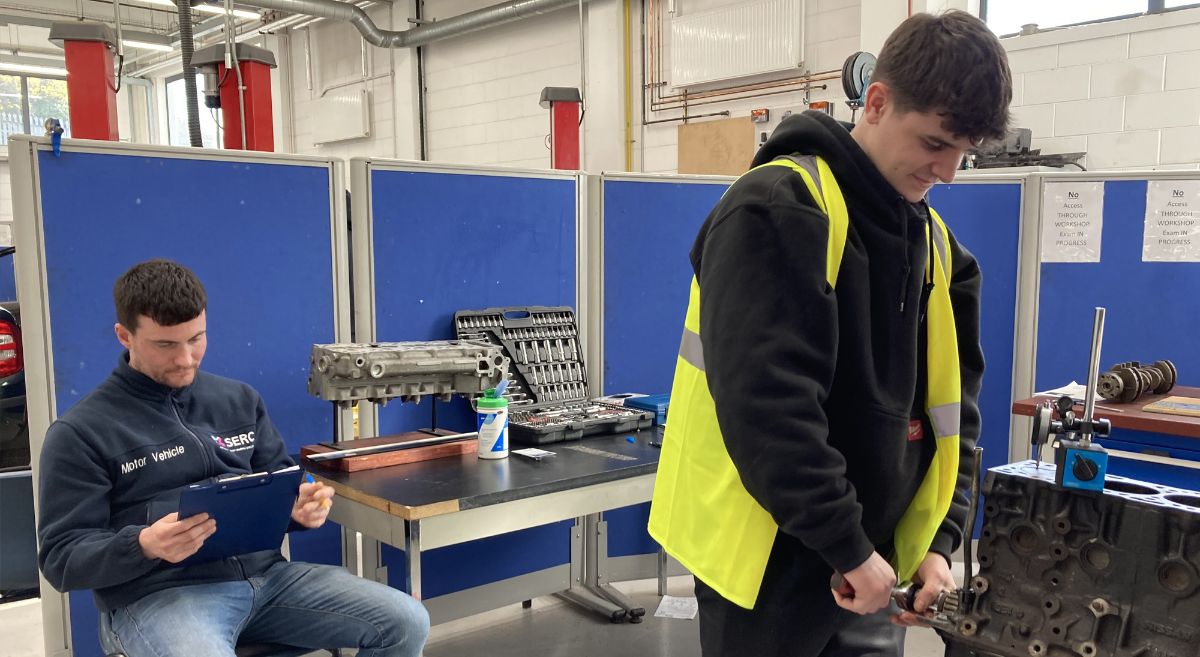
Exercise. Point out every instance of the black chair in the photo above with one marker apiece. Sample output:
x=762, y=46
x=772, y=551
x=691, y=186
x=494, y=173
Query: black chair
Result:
x=242, y=650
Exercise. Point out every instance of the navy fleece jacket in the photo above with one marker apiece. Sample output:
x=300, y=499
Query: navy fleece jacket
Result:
x=116, y=461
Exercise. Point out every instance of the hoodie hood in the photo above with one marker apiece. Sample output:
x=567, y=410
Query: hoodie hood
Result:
x=816, y=133
x=868, y=194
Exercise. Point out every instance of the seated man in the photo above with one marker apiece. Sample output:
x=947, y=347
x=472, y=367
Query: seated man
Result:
x=114, y=464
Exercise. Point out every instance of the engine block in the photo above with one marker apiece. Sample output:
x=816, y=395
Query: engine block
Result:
x=1069, y=573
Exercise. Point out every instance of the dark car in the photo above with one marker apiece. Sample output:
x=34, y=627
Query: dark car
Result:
x=18, y=546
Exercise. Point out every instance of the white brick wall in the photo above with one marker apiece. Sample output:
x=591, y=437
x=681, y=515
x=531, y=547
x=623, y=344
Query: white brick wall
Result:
x=1081, y=117
x=336, y=61
x=1127, y=78
x=1094, y=51
x=483, y=88
x=1180, y=145
x=1127, y=92
x=1056, y=85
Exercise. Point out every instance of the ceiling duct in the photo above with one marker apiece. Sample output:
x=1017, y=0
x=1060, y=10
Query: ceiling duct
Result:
x=420, y=35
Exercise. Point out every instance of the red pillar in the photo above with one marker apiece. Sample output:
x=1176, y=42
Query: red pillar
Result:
x=255, y=64
x=564, y=105
x=91, y=78
x=260, y=130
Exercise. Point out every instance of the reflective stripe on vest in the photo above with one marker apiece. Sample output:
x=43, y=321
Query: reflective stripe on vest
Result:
x=703, y=515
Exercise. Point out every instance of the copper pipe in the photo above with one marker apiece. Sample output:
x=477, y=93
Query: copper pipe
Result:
x=659, y=102
x=780, y=86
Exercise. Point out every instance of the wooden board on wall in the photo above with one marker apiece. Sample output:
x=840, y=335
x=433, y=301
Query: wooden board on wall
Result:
x=723, y=147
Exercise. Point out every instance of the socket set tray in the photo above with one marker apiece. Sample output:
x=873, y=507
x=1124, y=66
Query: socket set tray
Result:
x=548, y=397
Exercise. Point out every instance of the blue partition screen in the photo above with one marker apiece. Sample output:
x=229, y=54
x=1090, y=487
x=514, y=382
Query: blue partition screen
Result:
x=649, y=227
x=1150, y=315
x=445, y=242
x=8, y=279
x=986, y=219
x=257, y=234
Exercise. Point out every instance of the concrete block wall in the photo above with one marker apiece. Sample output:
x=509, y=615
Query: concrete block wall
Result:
x=325, y=60
x=483, y=88
x=1127, y=92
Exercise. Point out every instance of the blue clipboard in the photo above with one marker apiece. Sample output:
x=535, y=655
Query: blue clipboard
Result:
x=252, y=512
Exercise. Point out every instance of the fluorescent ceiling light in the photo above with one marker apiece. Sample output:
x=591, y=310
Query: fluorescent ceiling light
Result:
x=145, y=45
x=12, y=67
x=220, y=11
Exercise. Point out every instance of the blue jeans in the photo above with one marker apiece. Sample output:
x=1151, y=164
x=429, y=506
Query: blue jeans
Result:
x=298, y=604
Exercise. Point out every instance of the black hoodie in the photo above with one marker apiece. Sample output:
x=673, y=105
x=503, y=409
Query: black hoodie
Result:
x=814, y=388
x=116, y=461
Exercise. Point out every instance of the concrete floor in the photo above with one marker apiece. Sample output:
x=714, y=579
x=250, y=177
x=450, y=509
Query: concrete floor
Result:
x=551, y=628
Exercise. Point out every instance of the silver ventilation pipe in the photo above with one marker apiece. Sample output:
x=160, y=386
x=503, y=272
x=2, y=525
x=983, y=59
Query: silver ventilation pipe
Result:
x=421, y=35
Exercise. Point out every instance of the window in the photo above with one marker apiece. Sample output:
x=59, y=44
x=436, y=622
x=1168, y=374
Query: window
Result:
x=47, y=100
x=26, y=102
x=177, y=127
x=1007, y=16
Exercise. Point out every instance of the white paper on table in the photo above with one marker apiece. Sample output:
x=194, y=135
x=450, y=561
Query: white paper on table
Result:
x=1076, y=391
x=533, y=453
x=673, y=607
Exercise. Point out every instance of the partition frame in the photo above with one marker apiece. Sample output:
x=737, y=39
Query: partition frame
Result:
x=367, y=558
x=41, y=404
x=1022, y=426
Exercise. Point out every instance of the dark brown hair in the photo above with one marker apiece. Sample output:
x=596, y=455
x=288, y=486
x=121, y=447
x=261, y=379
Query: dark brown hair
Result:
x=951, y=64
x=165, y=291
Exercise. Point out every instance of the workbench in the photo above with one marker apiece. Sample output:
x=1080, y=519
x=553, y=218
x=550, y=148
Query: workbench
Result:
x=432, y=504
x=1156, y=447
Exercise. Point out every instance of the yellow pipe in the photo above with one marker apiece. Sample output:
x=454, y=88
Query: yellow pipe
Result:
x=628, y=91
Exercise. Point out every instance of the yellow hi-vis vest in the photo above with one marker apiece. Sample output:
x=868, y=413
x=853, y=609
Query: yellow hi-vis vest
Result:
x=702, y=514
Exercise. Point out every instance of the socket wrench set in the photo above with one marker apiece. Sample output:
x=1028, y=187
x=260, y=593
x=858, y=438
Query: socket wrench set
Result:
x=548, y=392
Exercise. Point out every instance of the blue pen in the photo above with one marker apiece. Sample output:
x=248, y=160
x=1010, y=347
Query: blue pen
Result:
x=309, y=478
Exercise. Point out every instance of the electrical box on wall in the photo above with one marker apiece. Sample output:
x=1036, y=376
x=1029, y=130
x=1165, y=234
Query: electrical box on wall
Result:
x=763, y=130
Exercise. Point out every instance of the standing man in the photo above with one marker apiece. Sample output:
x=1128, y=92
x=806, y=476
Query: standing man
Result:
x=107, y=520
x=824, y=408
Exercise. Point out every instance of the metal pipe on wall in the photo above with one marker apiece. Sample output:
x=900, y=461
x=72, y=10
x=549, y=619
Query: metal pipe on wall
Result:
x=422, y=126
x=628, y=86
x=423, y=34
x=582, y=87
x=231, y=61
